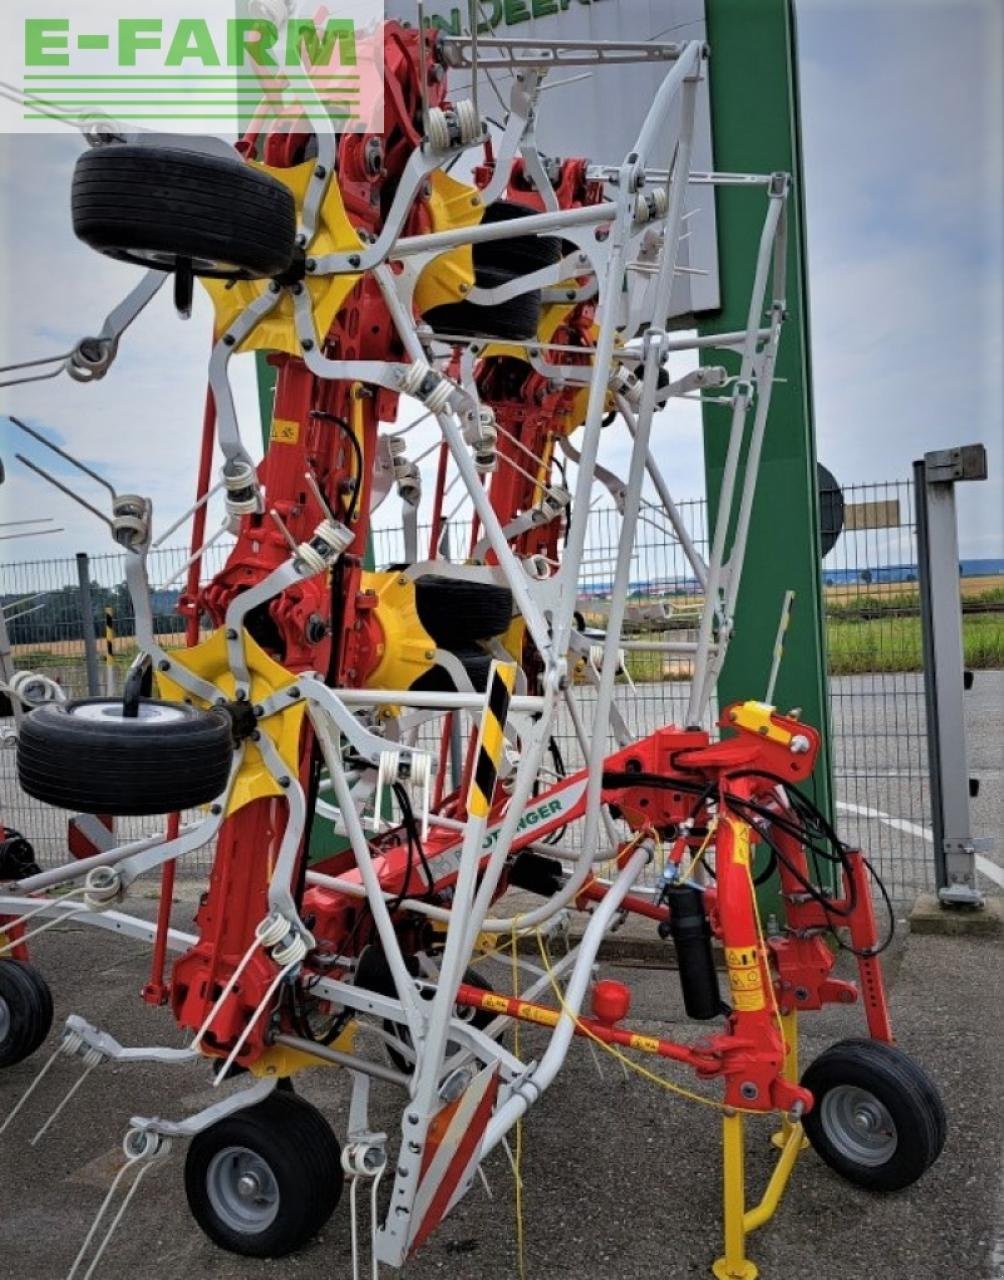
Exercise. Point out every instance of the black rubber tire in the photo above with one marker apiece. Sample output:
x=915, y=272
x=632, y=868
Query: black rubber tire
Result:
x=27, y=1011
x=437, y=679
x=172, y=757
x=17, y=856
x=156, y=205
x=518, y=256
x=303, y=1155
x=457, y=613
x=480, y=1019
x=516, y=319
x=909, y=1098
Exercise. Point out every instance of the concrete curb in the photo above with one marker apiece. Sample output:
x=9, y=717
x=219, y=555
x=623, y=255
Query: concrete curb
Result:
x=930, y=917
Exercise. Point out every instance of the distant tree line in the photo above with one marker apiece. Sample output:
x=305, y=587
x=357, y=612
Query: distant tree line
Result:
x=58, y=615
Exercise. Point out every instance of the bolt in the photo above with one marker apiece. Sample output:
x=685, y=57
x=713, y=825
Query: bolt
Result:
x=163, y=665
x=216, y=810
x=229, y=339
x=311, y=264
x=570, y=295
x=241, y=695
x=320, y=171
x=354, y=259
x=307, y=344
x=259, y=711
x=255, y=736
x=231, y=633
x=293, y=693
x=301, y=241
x=284, y=781
x=749, y=1090
x=273, y=286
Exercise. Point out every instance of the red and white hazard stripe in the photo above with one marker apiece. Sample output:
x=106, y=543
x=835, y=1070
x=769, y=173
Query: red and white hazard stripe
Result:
x=452, y=1151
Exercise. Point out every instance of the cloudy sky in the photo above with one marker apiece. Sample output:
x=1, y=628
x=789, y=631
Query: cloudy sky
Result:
x=902, y=111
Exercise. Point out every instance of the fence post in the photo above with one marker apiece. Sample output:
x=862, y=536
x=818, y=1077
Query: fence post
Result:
x=87, y=624
x=955, y=849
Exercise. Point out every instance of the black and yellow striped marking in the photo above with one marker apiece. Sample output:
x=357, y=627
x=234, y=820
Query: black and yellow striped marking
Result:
x=491, y=739
x=109, y=637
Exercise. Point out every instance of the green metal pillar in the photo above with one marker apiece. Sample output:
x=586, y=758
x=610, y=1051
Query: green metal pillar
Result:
x=755, y=126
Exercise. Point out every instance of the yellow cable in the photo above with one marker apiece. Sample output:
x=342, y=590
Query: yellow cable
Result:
x=518, y=1154
x=696, y=860
x=623, y=1058
x=762, y=943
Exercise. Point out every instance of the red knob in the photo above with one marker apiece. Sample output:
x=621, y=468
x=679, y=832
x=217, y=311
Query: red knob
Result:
x=611, y=1001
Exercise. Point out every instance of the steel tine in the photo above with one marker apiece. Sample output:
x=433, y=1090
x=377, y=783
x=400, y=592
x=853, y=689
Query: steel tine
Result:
x=64, y=489
x=68, y=457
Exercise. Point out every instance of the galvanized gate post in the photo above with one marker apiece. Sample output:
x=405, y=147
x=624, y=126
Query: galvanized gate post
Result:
x=87, y=624
x=955, y=849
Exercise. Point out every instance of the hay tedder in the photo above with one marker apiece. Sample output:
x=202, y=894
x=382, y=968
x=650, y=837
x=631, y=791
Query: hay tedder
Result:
x=371, y=754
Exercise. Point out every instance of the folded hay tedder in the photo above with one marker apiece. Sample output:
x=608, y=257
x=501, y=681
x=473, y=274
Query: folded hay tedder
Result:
x=370, y=754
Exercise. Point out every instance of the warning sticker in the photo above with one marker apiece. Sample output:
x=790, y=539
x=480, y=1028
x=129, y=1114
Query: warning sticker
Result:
x=285, y=430
x=748, y=1001
x=647, y=1044
x=745, y=978
x=741, y=848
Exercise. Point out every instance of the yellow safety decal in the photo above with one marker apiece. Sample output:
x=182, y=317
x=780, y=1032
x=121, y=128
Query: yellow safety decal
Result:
x=745, y=978
x=285, y=430
x=209, y=661
x=645, y=1044
x=491, y=739
x=494, y=1004
x=748, y=1001
x=335, y=234
x=532, y=1013
x=741, y=843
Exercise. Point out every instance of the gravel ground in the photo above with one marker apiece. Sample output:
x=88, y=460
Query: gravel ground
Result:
x=621, y=1179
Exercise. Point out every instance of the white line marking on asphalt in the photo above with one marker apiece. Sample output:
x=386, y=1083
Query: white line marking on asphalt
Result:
x=983, y=865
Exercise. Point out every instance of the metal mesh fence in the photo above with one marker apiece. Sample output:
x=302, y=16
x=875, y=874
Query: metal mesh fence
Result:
x=873, y=626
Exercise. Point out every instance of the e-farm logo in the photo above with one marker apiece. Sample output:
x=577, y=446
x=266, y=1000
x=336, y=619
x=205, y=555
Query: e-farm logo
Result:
x=179, y=65
x=192, y=42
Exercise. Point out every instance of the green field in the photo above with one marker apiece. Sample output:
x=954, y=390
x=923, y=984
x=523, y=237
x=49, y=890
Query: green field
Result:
x=894, y=643
x=862, y=645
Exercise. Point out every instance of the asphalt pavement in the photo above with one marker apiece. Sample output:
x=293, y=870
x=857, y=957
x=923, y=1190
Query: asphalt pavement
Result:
x=621, y=1179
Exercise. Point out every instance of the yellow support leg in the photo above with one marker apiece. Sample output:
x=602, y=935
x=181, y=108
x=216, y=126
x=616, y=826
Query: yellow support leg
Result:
x=765, y=1210
x=734, y=1265
x=789, y=1028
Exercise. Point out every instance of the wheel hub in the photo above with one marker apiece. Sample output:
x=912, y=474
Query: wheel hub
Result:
x=859, y=1125
x=242, y=1190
